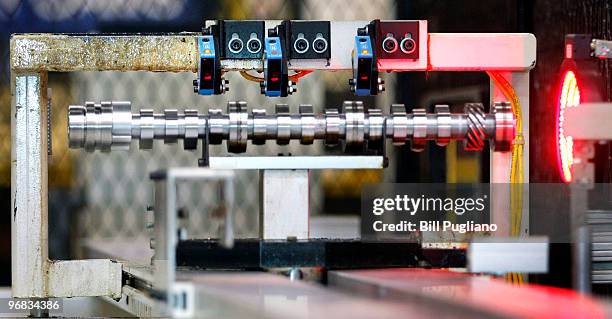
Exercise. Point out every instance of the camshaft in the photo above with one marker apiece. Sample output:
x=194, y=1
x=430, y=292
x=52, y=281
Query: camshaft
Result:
x=112, y=125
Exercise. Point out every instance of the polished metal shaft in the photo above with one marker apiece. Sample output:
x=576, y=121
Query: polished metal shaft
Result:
x=112, y=125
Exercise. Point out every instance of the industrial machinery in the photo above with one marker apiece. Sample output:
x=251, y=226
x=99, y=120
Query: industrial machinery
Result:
x=583, y=155
x=282, y=52
x=580, y=93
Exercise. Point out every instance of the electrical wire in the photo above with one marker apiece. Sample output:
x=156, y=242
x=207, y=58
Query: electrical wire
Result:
x=516, y=169
x=250, y=77
x=294, y=77
x=299, y=74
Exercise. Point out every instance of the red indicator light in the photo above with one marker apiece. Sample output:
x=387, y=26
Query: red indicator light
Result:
x=569, y=51
x=207, y=77
x=274, y=79
x=363, y=77
x=569, y=96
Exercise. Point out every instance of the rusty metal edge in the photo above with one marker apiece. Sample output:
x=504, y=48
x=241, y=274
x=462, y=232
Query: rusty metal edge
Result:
x=84, y=52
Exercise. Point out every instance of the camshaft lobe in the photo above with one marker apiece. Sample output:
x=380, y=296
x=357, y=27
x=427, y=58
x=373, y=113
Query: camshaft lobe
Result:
x=111, y=125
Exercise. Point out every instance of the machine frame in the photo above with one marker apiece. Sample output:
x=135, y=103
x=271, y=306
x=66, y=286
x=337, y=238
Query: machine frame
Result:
x=34, y=55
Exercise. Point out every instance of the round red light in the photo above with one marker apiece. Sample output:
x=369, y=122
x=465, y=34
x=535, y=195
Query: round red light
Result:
x=569, y=96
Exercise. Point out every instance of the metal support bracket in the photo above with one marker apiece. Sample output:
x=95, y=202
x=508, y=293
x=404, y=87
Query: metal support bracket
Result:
x=284, y=187
x=179, y=296
x=285, y=204
x=33, y=55
x=34, y=275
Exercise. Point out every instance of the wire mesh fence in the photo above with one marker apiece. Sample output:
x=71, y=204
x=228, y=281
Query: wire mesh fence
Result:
x=110, y=191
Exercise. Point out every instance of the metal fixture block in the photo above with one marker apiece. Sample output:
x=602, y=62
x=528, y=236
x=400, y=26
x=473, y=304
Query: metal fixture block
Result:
x=284, y=204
